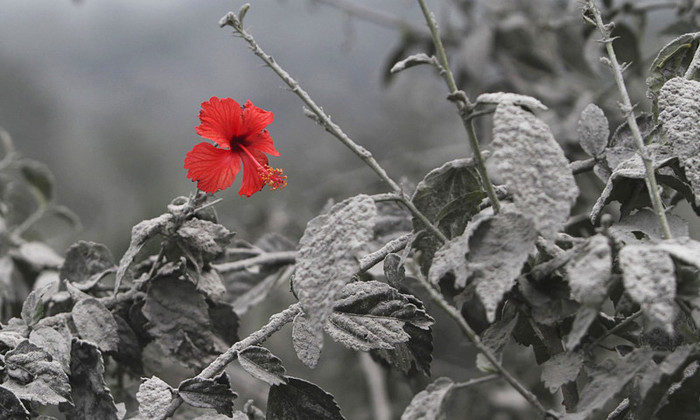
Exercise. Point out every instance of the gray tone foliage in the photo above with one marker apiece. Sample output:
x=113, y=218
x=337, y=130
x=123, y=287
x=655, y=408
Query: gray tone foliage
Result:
x=34, y=376
x=644, y=223
x=96, y=324
x=208, y=393
x=429, y=403
x=301, y=400
x=496, y=338
x=91, y=397
x=327, y=260
x=533, y=168
x=589, y=271
x=648, y=277
x=154, y=397
x=262, y=364
x=561, y=369
x=593, y=130
x=679, y=112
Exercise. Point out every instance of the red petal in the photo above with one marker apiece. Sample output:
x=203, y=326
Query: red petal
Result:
x=214, y=169
x=252, y=181
x=255, y=119
x=263, y=142
x=221, y=120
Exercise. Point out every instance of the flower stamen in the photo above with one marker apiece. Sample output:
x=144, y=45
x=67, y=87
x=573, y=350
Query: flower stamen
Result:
x=272, y=177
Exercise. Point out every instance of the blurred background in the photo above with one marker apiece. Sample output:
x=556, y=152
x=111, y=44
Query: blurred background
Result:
x=107, y=94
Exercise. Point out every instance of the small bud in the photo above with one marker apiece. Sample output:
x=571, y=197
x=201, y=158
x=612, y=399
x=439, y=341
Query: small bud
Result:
x=242, y=12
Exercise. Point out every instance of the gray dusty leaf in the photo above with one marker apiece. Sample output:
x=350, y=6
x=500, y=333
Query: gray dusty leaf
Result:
x=679, y=112
x=203, y=238
x=411, y=61
x=589, y=271
x=622, y=144
x=39, y=176
x=298, y=399
x=179, y=320
x=209, y=393
x=154, y=398
x=416, y=354
x=33, y=376
x=429, y=403
x=583, y=319
x=393, y=269
x=533, y=167
x=96, y=324
x=448, y=196
x=54, y=343
x=507, y=98
x=496, y=248
x=495, y=338
x=11, y=405
x=593, y=130
x=86, y=262
x=38, y=256
x=91, y=397
x=33, y=306
x=371, y=315
x=607, y=380
x=326, y=260
x=644, y=225
x=562, y=368
x=671, y=61
x=262, y=364
x=306, y=341
x=649, y=278
x=140, y=234
x=684, y=249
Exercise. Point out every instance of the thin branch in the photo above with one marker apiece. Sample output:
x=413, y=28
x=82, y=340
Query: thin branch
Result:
x=270, y=258
x=381, y=405
x=370, y=260
x=463, y=105
x=627, y=109
x=581, y=166
x=623, y=324
x=277, y=321
x=376, y=17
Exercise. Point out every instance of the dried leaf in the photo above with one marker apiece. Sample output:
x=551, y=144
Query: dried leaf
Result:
x=203, y=239
x=593, y=130
x=649, y=278
x=589, y=271
x=33, y=375
x=306, y=341
x=679, y=112
x=644, y=225
x=506, y=98
x=671, y=61
x=154, y=398
x=96, y=324
x=683, y=249
x=326, y=259
x=262, y=364
x=209, y=393
x=495, y=338
x=562, y=368
x=413, y=60
x=371, y=315
x=12, y=407
x=496, y=248
x=86, y=263
x=412, y=355
x=533, y=167
x=298, y=399
x=91, y=397
x=54, y=343
x=429, y=403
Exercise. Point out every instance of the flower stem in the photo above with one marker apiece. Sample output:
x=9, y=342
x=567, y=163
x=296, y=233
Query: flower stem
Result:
x=464, y=107
x=627, y=108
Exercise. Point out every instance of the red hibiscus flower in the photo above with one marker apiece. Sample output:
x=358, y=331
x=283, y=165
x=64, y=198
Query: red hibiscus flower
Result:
x=239, y=135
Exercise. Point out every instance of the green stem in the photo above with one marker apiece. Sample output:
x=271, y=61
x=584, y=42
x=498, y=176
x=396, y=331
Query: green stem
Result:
x=627, y=108
x=464, y=107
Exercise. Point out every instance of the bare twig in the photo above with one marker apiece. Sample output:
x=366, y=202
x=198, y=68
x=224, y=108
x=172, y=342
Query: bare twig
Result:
x=376, y=17
x=381, y=406
x=628, y=110
x=477, y=381
x=581, y=166
x=270, y=258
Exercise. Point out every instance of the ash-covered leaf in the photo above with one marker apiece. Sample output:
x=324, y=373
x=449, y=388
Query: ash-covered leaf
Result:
x=306, y=341
x=589, y=271
x=371, y=315
x=562, y=368
x=91, y=397
x=209, y=393
x=496, y=248
x=645, y=225
x=414, y=355
x=203, y=239
x=429, y=404
x=178, y=318
x=683, y=249
x=224, y=321
x=507, y=98
x=96, y=324
x=86, y=263
x=394, y=270
x=262, y=364
x=140, y=234
x=412, y=61
x=54, y=343
x=495, y=338
x=593, y=130
x=671, y=61
x=154, y=398
x=38, y=176
x=679, y=113
x=649, y=278
x=326, y=260
x=34, y=376
x=607, y=380
x=38, y=256
x=129, y=349
x=585, y=315
x=33, y=306
x=683, y=400
x=448, y=196
x=533, y=168
x=301, y=400
x=12, y=407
